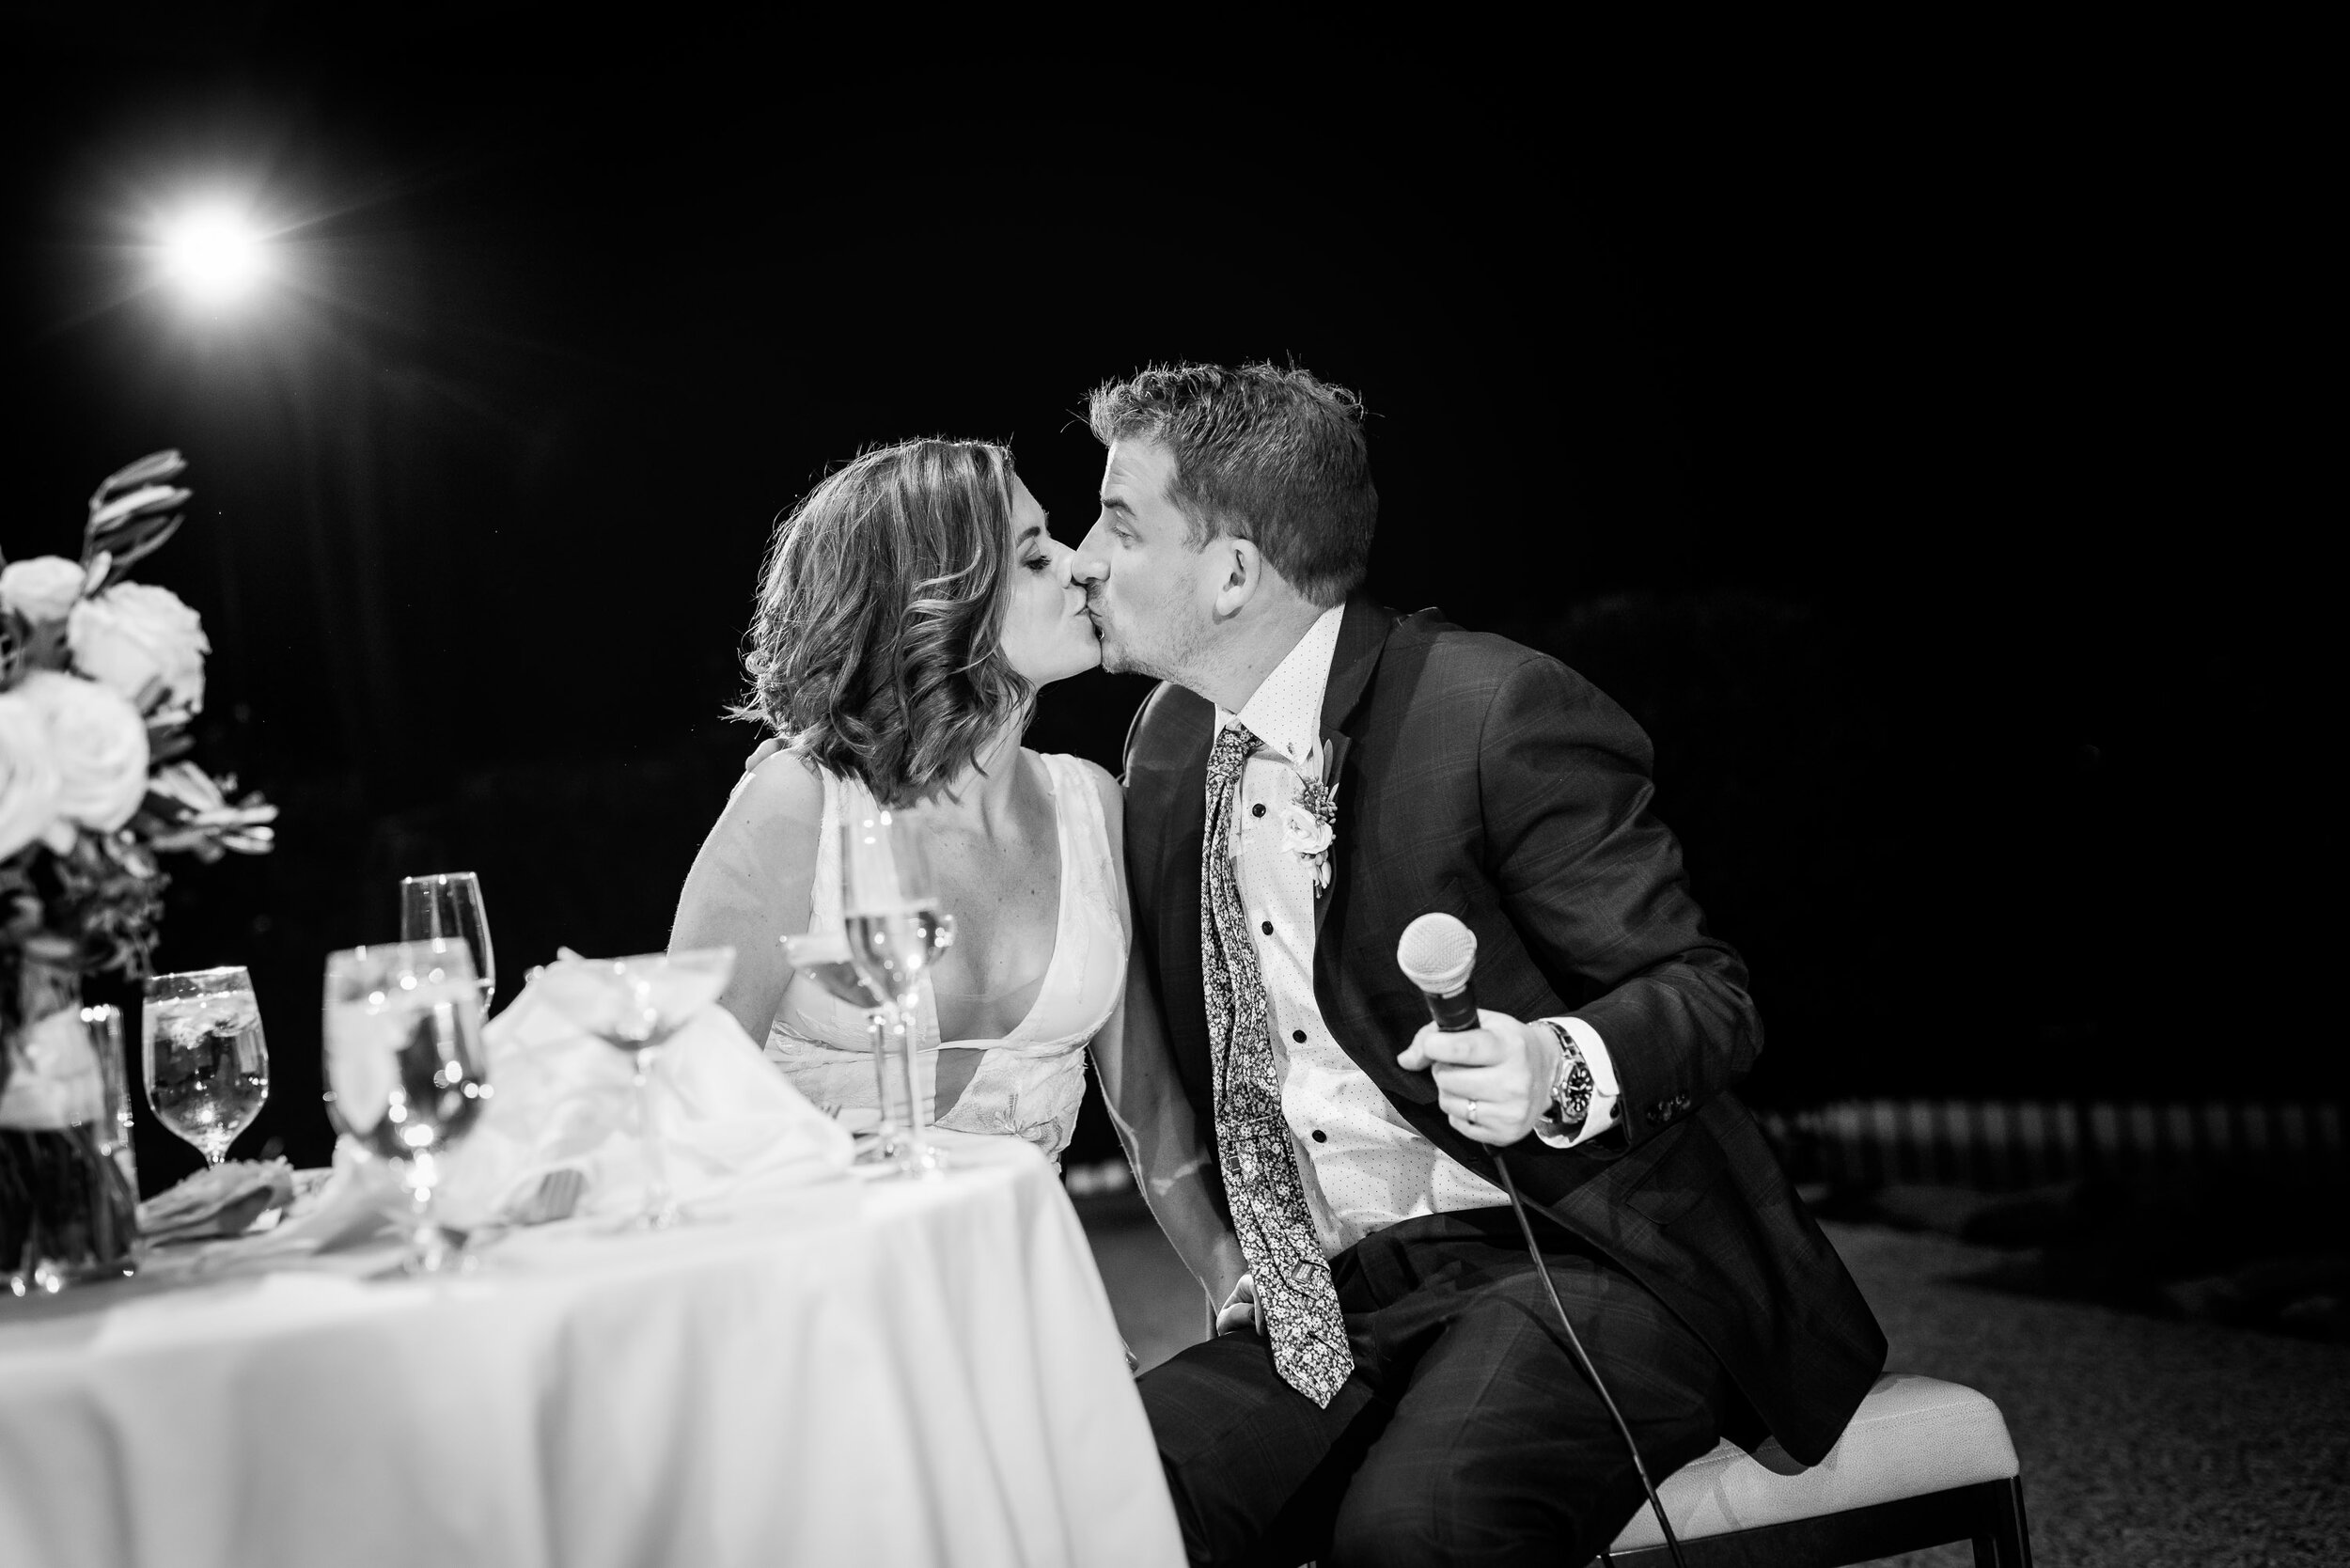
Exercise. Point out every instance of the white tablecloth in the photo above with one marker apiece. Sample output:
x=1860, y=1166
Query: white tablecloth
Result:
x=855, y=1372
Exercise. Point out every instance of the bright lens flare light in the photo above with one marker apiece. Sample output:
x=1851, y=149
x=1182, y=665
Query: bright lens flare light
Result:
x=213, y=254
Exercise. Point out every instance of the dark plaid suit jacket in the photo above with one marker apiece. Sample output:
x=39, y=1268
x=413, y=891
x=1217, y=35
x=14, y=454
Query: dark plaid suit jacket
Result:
x=1480, y=778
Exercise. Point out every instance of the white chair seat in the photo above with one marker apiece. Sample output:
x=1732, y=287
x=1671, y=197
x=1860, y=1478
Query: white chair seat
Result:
x=1912, y=1435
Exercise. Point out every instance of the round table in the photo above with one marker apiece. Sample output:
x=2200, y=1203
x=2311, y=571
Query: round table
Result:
x=850, y=1371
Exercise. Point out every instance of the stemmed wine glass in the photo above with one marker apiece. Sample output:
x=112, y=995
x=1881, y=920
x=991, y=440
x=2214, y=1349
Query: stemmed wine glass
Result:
x=207, y=1063
x=824, y=957
x=634, y=1005
x=406, y=1072
x=448, y=903
x=895, y=932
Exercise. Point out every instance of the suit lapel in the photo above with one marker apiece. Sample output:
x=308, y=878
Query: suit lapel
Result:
x=1179, y=902
x=1362, y=633
x=1334, y=746
x=1363, y=641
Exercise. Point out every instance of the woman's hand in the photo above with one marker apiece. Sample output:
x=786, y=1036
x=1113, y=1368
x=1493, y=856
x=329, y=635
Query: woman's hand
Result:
x=1239, y=1310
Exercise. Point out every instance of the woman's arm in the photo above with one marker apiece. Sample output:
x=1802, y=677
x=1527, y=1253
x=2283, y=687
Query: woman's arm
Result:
x=1152, y=1113
x=750, y=886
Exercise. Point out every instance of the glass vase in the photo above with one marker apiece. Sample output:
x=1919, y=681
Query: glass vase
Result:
x=68, y=1212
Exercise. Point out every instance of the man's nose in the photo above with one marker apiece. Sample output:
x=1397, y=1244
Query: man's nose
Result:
x=1087, y=564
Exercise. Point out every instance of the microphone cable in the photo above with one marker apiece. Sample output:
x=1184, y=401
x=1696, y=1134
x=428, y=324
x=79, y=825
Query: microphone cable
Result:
x=1583, y=1359
x=1437, y=954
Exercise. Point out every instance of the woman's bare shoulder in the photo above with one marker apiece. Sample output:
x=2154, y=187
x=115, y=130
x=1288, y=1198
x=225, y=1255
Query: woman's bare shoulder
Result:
x=770, y=823
x=781, y=788
x=752, y=874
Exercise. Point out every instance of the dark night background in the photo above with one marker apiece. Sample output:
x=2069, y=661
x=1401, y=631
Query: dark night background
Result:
x=1922, y=461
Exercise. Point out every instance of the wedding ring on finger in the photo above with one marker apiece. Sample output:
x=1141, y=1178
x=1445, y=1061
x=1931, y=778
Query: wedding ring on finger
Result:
x=1472, y=1113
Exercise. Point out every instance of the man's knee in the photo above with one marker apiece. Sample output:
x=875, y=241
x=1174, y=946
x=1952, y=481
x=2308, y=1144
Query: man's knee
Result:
x=1242, y=1450
x=1380, y=1528
x=1388, y=1522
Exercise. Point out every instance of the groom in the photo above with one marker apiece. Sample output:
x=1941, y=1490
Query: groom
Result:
x=1389, y=1383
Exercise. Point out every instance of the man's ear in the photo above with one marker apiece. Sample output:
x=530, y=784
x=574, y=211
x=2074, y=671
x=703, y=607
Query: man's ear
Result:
x=1241, y=570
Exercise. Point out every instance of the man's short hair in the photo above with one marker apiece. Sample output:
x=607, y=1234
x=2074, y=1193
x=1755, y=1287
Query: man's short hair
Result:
x=1267, y=454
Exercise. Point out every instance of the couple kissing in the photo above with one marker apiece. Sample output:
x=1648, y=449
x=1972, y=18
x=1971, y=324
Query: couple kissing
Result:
x=1386, y=1382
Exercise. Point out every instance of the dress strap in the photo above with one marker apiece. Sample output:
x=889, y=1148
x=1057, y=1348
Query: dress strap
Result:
x=1084, y=846
x=823, y=894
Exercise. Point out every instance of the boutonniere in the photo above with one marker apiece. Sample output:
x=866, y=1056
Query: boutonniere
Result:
x=1310, y=827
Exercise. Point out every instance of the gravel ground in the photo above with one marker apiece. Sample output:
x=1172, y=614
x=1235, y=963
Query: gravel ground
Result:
x=2145, y=1442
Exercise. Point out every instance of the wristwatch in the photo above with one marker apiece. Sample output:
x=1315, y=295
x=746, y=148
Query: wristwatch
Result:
x=1570, y=1087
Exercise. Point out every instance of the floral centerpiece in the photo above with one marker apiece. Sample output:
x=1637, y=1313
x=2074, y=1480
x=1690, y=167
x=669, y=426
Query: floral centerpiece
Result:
x=100, y=679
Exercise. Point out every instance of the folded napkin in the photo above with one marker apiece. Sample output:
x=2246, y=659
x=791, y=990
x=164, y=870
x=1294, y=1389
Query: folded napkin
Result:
x=562, y=1099
x=221, y=1200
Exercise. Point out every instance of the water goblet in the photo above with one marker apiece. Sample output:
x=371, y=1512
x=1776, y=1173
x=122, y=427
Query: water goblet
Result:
x=207, y=1063
x=634, y=1005
x=407, y=1075
x=448, y=903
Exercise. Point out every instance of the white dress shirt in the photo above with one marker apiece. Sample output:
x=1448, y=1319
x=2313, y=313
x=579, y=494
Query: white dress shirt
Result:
x=1363, y=1167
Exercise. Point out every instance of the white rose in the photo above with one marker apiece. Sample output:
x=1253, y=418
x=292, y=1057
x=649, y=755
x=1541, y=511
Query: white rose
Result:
x=42, y=589
x=97, y=743
x=1302, y=832
x=134, y=633
x=29, y=778
x=56, y=1082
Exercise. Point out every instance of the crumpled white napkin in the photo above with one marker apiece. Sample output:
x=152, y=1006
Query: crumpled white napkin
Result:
x=219, y=1200
x=560, y=1097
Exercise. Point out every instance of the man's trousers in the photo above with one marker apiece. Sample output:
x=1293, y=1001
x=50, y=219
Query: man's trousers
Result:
x=1468, y=1434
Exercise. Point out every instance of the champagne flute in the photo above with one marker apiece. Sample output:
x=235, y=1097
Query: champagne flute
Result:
x=406, y=1072
x=895, y=932
x=634, y=1005
x=448, y=905
x=824, y=957
x=207, y=1063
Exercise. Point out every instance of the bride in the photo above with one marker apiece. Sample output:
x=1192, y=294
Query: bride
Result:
x=912, y=606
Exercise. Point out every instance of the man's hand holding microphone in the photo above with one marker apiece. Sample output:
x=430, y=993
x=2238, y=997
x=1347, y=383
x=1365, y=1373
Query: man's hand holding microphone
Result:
x=1495, y=1076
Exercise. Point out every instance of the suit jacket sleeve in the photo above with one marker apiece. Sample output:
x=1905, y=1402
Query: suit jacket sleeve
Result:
x=1594, y=886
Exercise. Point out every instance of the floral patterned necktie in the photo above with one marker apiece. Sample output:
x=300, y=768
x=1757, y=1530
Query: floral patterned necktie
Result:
x=1253, y=1147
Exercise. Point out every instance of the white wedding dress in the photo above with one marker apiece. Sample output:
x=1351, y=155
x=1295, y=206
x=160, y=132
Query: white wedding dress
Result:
x=1030, y=1083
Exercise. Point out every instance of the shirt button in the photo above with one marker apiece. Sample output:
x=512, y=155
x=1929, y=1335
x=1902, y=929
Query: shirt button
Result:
x=1320, y=1137
x=1257, y=810
x=1266, y=926
x=1299, y=1035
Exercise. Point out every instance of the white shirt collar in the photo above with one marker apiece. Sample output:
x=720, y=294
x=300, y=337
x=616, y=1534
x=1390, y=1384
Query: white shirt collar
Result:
x=1285, y=711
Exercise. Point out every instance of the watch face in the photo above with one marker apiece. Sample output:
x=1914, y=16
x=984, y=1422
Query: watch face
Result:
x=1571, y=1086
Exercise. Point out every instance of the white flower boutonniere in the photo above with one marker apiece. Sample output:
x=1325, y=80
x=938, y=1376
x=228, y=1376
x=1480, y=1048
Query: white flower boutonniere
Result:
x=1309, y=828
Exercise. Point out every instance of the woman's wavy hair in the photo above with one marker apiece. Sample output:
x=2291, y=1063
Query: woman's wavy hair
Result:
x=877, y=651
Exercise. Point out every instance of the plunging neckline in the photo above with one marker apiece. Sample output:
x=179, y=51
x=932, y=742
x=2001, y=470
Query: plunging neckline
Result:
x=1061, y=902
x=1030, y=1083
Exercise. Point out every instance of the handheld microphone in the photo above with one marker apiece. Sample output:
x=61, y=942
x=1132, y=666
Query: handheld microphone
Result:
x=1436, y=954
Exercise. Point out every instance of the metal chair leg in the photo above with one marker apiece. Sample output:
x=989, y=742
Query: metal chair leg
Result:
x=2002, y=1535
